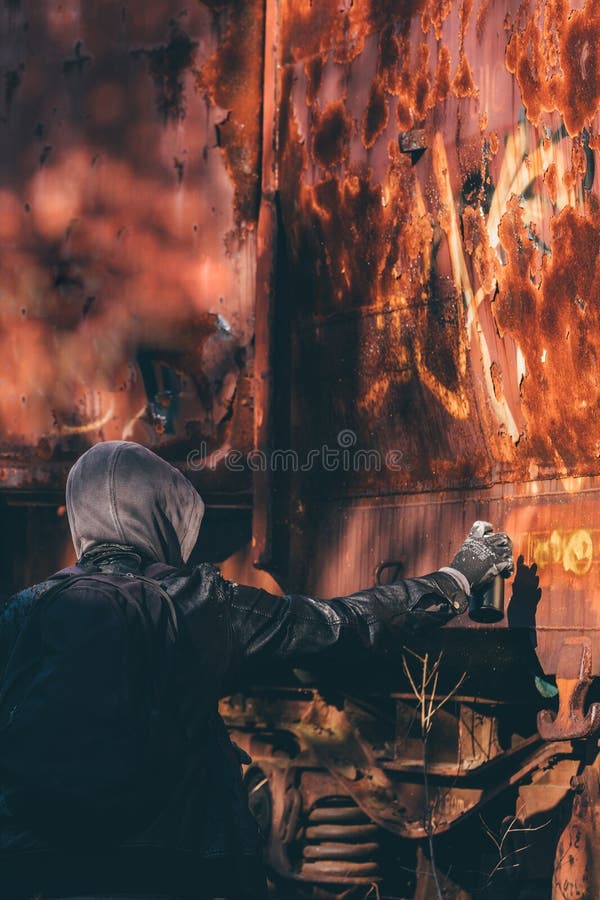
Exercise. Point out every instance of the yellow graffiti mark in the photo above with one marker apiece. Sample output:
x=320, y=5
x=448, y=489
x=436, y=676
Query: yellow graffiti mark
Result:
x=574, y=550
x=579, y=553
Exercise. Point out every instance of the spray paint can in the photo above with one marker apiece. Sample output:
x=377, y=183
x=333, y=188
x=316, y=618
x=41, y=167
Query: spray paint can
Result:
x=487, y=604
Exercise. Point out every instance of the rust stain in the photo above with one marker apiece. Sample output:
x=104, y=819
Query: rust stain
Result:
x=477, y=246
x=463, y=84
x=376, y=114
x=559, y=345
x=423, y=99
x=554, y=54
x=390, y=58
x=551, y=182
x=332, y=135
x=434, y=15
x=416, y=97
x=496, y=374
x=12, y=78
x=442, y=75
x=343, y=28
x=313, y=68
x=478, y=167
x=482, y=19
x=232, y=79
x=168, y=64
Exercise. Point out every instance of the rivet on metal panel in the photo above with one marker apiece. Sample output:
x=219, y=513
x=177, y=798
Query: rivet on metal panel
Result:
x=573, y=678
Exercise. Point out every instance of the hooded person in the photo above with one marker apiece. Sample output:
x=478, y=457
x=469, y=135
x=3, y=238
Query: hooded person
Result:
x=188, y=832
x=120, y=494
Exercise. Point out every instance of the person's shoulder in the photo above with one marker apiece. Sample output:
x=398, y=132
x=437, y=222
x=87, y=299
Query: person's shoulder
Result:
x=23, y=600
x=17, y=606
x=203, y=579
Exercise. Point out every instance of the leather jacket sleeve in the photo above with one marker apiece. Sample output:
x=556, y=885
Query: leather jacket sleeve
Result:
x=298, y=629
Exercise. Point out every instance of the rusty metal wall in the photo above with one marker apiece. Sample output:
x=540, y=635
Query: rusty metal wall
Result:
x=129, y=183
x=421, y=277
x=439, y=201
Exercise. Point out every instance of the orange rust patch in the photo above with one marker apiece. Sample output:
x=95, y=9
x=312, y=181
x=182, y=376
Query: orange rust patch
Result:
x=313, y=69
x=389, y=58
x=524, y=59
x=560, y=342
x=423, y=101
x=481, y=21
x=368, y=251
x=434, y=15
x=497, y=380
x=308, y=29
x=463, y=84
x=417, y=237
x=478, y=247
x=551, y=182
x=332, y=135
x=466, y=8
x=376, y=114
x=232, y=79
x=557, y=63
x=442, y=75
x=580, y=60
x=578, y=159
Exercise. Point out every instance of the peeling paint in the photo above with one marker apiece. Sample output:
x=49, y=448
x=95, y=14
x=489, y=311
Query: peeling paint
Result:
x=553, y=53
x=232, y=79
x=438, y=237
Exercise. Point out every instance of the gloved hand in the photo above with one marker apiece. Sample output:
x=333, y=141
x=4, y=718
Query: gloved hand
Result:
x=483, y=556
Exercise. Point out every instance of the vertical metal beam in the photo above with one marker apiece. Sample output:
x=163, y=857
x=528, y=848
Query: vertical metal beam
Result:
x=265, y=294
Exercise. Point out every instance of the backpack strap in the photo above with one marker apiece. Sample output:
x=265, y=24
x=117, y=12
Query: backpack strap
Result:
x=160, y=590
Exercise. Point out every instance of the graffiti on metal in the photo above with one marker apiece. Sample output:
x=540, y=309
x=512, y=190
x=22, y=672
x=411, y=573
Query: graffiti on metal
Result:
x=573, y=550
x=439, y=196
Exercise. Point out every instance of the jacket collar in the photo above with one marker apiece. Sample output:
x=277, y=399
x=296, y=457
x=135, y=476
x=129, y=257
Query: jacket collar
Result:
x=114, y=558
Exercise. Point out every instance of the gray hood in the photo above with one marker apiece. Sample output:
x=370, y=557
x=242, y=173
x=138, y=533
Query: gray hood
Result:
x=119, y=492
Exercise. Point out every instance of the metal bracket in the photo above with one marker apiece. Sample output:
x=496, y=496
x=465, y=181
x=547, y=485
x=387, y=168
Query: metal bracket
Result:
x=396, y=564
x=573, y=679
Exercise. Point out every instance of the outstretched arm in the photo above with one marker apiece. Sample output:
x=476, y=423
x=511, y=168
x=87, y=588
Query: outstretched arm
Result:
x=299, y=629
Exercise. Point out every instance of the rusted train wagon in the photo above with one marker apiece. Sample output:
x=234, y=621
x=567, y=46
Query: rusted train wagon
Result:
x=338, y=261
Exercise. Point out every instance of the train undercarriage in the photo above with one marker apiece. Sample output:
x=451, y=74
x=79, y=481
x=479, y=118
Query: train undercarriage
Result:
x=426, y=792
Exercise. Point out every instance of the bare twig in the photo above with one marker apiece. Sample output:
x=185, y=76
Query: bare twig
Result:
x=499, y=841
x=373, y=892
x=428, y=705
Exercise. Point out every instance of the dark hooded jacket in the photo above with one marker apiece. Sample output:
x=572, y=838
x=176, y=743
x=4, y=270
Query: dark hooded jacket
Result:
x=131, y=512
